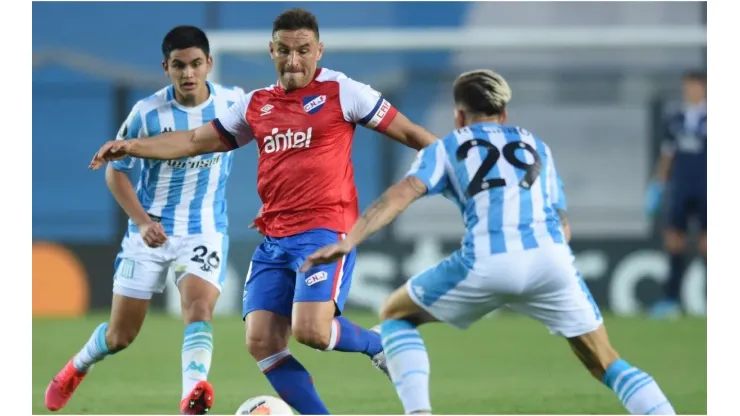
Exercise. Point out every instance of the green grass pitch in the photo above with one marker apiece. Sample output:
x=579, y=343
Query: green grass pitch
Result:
x=502, y=365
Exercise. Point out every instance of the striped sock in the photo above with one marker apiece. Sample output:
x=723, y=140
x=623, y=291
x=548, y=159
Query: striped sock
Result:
x=94, y=350
x=408, y=364
x=197, y=349
x=637, y=391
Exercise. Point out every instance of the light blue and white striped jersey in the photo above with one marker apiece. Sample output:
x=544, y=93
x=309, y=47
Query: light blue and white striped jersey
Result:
x=188, y=195
x=504, y=182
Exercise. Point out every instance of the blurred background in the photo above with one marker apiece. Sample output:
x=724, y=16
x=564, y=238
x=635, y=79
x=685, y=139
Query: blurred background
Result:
x=598, y=107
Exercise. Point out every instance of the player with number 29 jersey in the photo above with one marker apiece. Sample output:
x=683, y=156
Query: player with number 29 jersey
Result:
x=515, y=253
x=504, y=182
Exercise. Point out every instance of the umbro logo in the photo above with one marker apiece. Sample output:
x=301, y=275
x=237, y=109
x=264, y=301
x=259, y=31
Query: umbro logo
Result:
x=266, y=110
x=166, y=129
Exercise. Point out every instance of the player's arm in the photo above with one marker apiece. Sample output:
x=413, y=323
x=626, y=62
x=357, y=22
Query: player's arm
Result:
x=662, y=172
x=557, y=192
x=561, y=207
x=428, y=175
x=221, y=135
x=385, y=209
x=177, y=144
x=119, y=184
x=665, y=161
x=404, y=131
x=364, y=106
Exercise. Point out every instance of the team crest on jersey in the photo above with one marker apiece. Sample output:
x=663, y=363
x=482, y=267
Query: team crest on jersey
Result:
x=313, y=103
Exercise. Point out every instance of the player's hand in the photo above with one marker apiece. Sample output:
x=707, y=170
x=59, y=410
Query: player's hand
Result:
x=653, y=198
x=113, y=150
x=153, y=234
x=326, y=255
x=253, y=224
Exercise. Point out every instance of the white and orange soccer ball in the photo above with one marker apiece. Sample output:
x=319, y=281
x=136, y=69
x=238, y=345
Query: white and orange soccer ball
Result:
x=264, y=405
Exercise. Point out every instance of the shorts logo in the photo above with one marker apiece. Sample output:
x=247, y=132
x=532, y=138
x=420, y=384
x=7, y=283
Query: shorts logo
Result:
x=316, y=278
x=313, y=103
x=126, y=269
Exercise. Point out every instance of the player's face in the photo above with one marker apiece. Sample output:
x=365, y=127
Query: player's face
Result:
x=296, y=54
x=694, y=90
x=188, y=70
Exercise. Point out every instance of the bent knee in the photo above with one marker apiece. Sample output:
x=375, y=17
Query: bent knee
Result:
x=263, y=346
x=392, y=310
x=674, y=242
x=197, y=310
x=313, y=334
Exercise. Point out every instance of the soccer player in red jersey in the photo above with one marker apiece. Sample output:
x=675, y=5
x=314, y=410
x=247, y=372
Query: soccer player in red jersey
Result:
x=303, y=127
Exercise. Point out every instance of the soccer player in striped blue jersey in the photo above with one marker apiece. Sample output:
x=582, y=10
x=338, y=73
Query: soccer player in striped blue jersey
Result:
x=514, y=253
x=177, y=221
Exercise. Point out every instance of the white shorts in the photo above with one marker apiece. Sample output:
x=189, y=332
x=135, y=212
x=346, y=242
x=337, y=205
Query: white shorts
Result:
x=541, y=283
x=142, y=270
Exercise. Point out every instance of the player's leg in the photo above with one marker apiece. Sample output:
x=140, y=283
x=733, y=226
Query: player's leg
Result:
x=268, y=299
x=319, y=299
x=702, y=246
x=140, y=271
x=636, y=389
x=674, y=238
x=562, y=301
x=200, y=271
x=448, y=292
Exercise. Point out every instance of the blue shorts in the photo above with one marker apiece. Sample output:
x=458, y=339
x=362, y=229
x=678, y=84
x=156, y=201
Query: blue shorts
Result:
x=687, y=201
x=274, y=284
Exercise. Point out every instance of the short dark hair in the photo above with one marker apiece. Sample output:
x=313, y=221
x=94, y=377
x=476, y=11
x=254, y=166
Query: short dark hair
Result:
x=296, y=19
x=183, y=37
x=695, y=75
x=482, y=92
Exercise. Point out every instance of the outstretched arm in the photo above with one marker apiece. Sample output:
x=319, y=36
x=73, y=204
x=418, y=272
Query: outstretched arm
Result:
x=384, y=210
x=408, y=133
x=172, y=145
x=228, y=132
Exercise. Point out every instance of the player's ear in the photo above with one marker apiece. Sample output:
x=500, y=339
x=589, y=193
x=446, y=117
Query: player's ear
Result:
x=165, y=67
x=271, y=48
x=459, y=118
x=320, y=51
x=209, y=61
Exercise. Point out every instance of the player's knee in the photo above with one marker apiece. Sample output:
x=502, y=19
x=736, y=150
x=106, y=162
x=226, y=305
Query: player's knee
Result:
x=702, y=246
x=394, y=309
x=675, y=242
x=198, y=310
x=263, y=346
x=312, y=334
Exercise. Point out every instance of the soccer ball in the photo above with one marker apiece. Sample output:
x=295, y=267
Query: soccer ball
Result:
x=264, y=405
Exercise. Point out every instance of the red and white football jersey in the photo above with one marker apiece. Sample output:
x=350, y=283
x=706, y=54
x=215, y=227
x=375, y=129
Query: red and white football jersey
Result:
x=305, y=176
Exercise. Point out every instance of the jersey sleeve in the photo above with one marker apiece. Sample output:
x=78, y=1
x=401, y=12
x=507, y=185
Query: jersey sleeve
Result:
x=233, y=127
x=132, y=128
x=430, y=167
x=364, y=106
